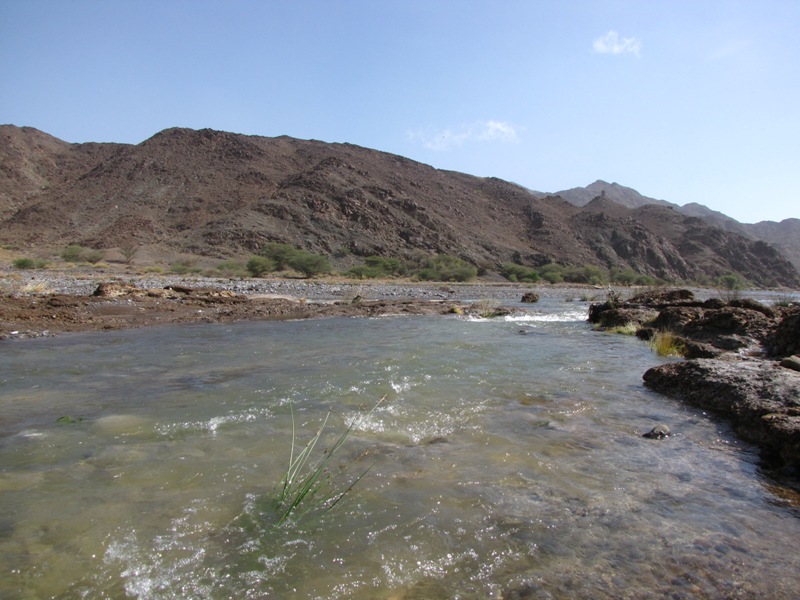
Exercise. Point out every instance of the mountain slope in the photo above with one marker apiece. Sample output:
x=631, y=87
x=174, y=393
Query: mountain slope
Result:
x=785, y=236
x=218, y=194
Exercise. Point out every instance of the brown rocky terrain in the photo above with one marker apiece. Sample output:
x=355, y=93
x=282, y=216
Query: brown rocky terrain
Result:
x=218, y=195
x=783, y=235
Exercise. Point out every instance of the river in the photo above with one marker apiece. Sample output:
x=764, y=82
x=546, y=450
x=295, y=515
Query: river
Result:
x=506, y=457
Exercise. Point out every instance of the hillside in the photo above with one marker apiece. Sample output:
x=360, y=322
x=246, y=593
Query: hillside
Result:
x=217, y=194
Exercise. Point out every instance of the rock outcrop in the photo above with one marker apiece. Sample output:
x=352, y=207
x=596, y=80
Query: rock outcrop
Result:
x=734, y=368
x=760, y=398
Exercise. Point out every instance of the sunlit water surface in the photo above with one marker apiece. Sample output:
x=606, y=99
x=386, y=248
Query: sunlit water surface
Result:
x=506, y=458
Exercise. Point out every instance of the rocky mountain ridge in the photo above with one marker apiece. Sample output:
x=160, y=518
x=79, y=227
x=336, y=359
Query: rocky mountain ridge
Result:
x=783, y=235
x=218, y=194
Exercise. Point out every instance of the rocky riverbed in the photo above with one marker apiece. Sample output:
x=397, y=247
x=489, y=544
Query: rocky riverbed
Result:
x=41, y=303
x=742, y=362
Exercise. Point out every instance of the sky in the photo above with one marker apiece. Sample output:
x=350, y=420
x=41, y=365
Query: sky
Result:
x=685, y=101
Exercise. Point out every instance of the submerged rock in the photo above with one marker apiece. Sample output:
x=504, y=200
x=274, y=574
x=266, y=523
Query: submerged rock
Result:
x=659, y=432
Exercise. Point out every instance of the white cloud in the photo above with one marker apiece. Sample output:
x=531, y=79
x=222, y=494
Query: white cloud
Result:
x=611, y=43
x=482, y=131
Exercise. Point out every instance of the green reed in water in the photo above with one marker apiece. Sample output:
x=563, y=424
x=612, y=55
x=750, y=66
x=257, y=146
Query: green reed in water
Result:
x=305, y=486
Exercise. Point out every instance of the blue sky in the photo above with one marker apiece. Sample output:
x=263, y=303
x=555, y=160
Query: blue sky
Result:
x=687, y=101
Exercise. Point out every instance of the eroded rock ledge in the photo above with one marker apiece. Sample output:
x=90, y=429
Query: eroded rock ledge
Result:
x=761, y=398
x=741, y=361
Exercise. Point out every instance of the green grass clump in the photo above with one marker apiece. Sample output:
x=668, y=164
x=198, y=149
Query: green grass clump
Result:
x=308, y=487
x=627, y=329
x=666, y=343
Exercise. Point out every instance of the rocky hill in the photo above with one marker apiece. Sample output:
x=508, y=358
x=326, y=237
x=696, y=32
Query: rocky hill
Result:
x=783, y=235
x=218, y=194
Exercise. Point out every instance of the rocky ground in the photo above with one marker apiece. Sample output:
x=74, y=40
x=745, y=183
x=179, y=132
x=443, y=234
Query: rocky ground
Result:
x=41, y=303
x=742, y=362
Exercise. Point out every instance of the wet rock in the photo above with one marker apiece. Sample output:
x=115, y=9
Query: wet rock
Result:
x=791, y=362
x=530, y=297
x=761, y=399
x=623, y=317
x=659, y=432
x=660, y=297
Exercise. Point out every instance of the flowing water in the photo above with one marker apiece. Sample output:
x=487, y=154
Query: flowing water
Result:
x=506, y=460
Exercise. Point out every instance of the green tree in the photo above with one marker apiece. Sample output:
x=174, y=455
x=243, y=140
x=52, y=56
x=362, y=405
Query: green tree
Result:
x=309, y=264
x=281, y=254
x=258, y=265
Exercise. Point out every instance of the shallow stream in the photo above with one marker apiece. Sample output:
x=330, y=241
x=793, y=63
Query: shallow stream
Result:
x=506, y=458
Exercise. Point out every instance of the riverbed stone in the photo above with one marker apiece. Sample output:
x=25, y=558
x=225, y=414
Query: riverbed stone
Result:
x=530, y=297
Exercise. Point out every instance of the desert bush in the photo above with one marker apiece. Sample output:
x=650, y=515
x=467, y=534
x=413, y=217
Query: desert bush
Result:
x=259, y=265
x=309, y=264
x=128, y=252
x=515, y=272
x=30, y=263
x=75, y=253
x=552, y=273
x=377, y=266
x=72, y=253
x=585, y=274
x=182, y=267
x=232, y=268
x=447, y=268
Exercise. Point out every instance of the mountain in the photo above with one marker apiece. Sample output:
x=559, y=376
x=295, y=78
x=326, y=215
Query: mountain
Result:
x=784, y=236
x=628, y=197
x=217, y=194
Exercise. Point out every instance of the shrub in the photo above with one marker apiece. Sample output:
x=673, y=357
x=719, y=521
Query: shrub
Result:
x=75, y=253
x=447, y=268
x=364, y=272
x=232, y=268
x=30, y=263
x=388, y=266
x=378, y=266
x=258, y=265
x=515, y=272
x=552, y=273
x=585, y=274
x=72, y=253
x=182, y=267
x=309, y=264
